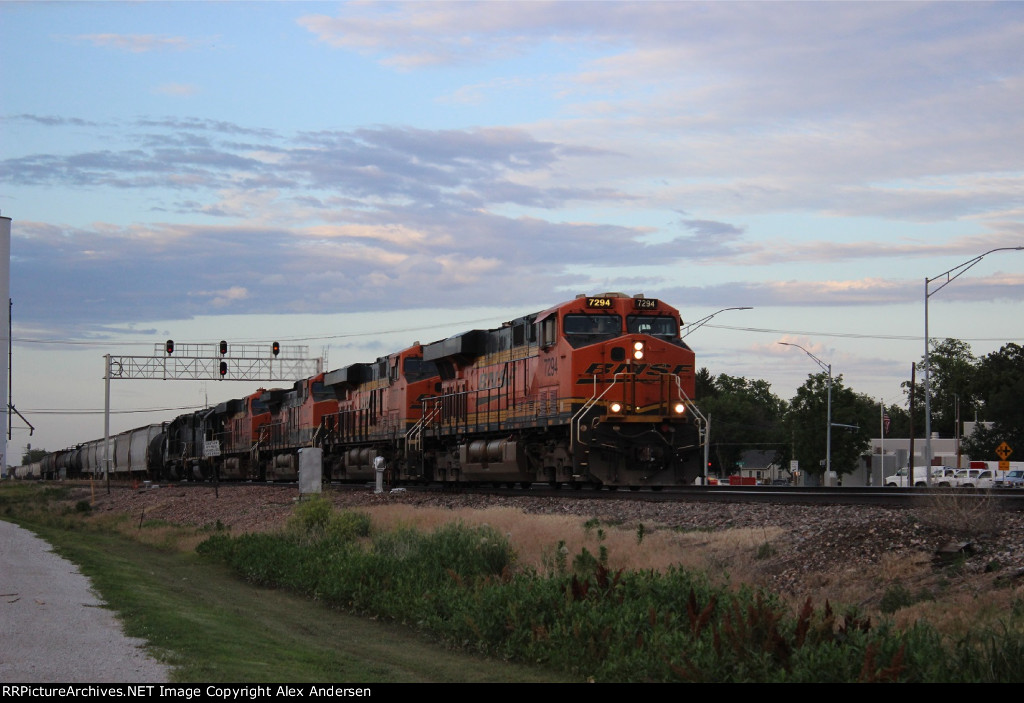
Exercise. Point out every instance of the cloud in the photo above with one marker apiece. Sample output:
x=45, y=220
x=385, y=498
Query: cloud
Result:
x=136, y=43
x=223, y=298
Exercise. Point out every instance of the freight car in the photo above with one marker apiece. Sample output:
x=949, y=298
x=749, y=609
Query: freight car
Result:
x=594, y=391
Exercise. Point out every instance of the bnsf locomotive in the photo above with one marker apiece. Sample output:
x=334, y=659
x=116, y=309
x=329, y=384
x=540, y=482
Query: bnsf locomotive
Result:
x=595, y=391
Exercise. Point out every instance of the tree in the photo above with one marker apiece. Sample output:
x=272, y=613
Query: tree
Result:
x=999, y=385
x=705, y=383
x=807, y=421
x=951, y=380
x=745, y=414
x=899, y=421
x=32, y=456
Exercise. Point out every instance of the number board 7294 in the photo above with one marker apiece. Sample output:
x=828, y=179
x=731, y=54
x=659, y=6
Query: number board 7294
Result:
x=603, y=303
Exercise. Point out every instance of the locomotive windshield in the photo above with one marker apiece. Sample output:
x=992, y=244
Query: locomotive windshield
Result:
x=416, y=369
x=656, y=326
x=322, y=392
x=581, y=330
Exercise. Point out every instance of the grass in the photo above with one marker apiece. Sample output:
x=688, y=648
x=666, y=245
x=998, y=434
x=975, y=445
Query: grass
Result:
x=211, y=627
x=594, y=599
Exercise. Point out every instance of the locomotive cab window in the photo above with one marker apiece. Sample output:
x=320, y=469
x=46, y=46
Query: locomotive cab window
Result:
x=322, y=392
x=416, y=369
x=656, y=326
x=581, y=330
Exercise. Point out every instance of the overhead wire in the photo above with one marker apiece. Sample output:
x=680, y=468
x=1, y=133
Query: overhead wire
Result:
x=100, y=411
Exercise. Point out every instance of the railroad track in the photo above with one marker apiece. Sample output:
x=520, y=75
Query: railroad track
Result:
x=803, y=495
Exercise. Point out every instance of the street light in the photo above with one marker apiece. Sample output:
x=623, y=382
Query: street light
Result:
x=701, y=322
x=950, y=276
x=828, y=424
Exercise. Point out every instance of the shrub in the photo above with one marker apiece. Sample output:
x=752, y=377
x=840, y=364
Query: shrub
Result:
x=895, y=597
x=960, y=513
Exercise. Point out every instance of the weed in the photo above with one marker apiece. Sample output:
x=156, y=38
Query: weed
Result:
x=964, y=514
x=895, y=597
x=765, y=551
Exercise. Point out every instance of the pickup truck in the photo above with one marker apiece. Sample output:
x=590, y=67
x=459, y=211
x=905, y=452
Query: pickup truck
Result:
x=941, y=476
x=974, y=478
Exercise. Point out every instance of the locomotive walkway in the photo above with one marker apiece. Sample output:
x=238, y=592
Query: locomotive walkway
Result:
x=54, y=629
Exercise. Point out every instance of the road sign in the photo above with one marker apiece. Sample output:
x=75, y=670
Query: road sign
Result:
x=1004, y=465
x=1003, y=451
x=211, y=448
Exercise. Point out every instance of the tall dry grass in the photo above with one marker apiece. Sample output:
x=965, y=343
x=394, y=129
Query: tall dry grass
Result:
x=628, y=545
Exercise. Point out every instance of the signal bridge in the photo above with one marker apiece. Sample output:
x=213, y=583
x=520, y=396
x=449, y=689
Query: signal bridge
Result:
x=217, y=362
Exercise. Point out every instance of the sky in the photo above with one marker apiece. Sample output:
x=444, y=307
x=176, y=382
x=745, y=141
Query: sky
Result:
x=354, y=177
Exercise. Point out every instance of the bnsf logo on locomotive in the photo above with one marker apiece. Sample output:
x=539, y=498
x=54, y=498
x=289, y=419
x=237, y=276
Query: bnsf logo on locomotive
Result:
x=603, y=369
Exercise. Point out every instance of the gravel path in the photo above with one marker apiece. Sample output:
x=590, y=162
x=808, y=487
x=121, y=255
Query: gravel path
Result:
x=54, y=628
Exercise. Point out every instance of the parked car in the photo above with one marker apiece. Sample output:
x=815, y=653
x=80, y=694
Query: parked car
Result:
x=1012, y=479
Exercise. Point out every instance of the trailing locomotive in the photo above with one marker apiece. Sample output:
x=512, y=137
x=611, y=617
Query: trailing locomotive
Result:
x=594, y=391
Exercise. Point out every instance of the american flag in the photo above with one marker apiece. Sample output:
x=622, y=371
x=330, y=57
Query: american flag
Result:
x=885, y=423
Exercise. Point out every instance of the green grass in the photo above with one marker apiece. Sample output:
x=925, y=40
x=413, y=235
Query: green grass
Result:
x=212, y=627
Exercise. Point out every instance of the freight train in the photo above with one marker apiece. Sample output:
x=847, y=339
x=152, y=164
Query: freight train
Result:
x=595, y=391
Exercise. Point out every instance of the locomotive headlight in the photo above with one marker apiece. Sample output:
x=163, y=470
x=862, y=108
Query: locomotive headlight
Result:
x=638, y=350
x=615, y=407
x=680, y=408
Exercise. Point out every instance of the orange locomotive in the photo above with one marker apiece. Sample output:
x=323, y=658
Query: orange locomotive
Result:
x=594, y=391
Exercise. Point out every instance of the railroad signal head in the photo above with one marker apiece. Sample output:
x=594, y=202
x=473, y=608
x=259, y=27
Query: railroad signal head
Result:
x=169, y=346
x=223, y=368
x=276, y=348
x=223, y=348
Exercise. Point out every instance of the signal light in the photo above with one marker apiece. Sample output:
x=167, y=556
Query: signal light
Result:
x=223, y=348
x=170, y=346
x=223, y=368
x=638, y=350
x=276, y=348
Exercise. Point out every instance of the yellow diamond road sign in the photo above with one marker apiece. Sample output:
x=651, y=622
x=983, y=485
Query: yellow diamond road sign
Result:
x=1003, y=451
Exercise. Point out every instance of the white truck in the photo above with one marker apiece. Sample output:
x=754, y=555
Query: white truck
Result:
x=974, y=478
x=941, y=476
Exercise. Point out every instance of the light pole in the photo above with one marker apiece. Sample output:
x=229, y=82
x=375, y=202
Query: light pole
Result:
x=707, y=427
x=687, y=329
x=828, y=423
x=948, y=276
